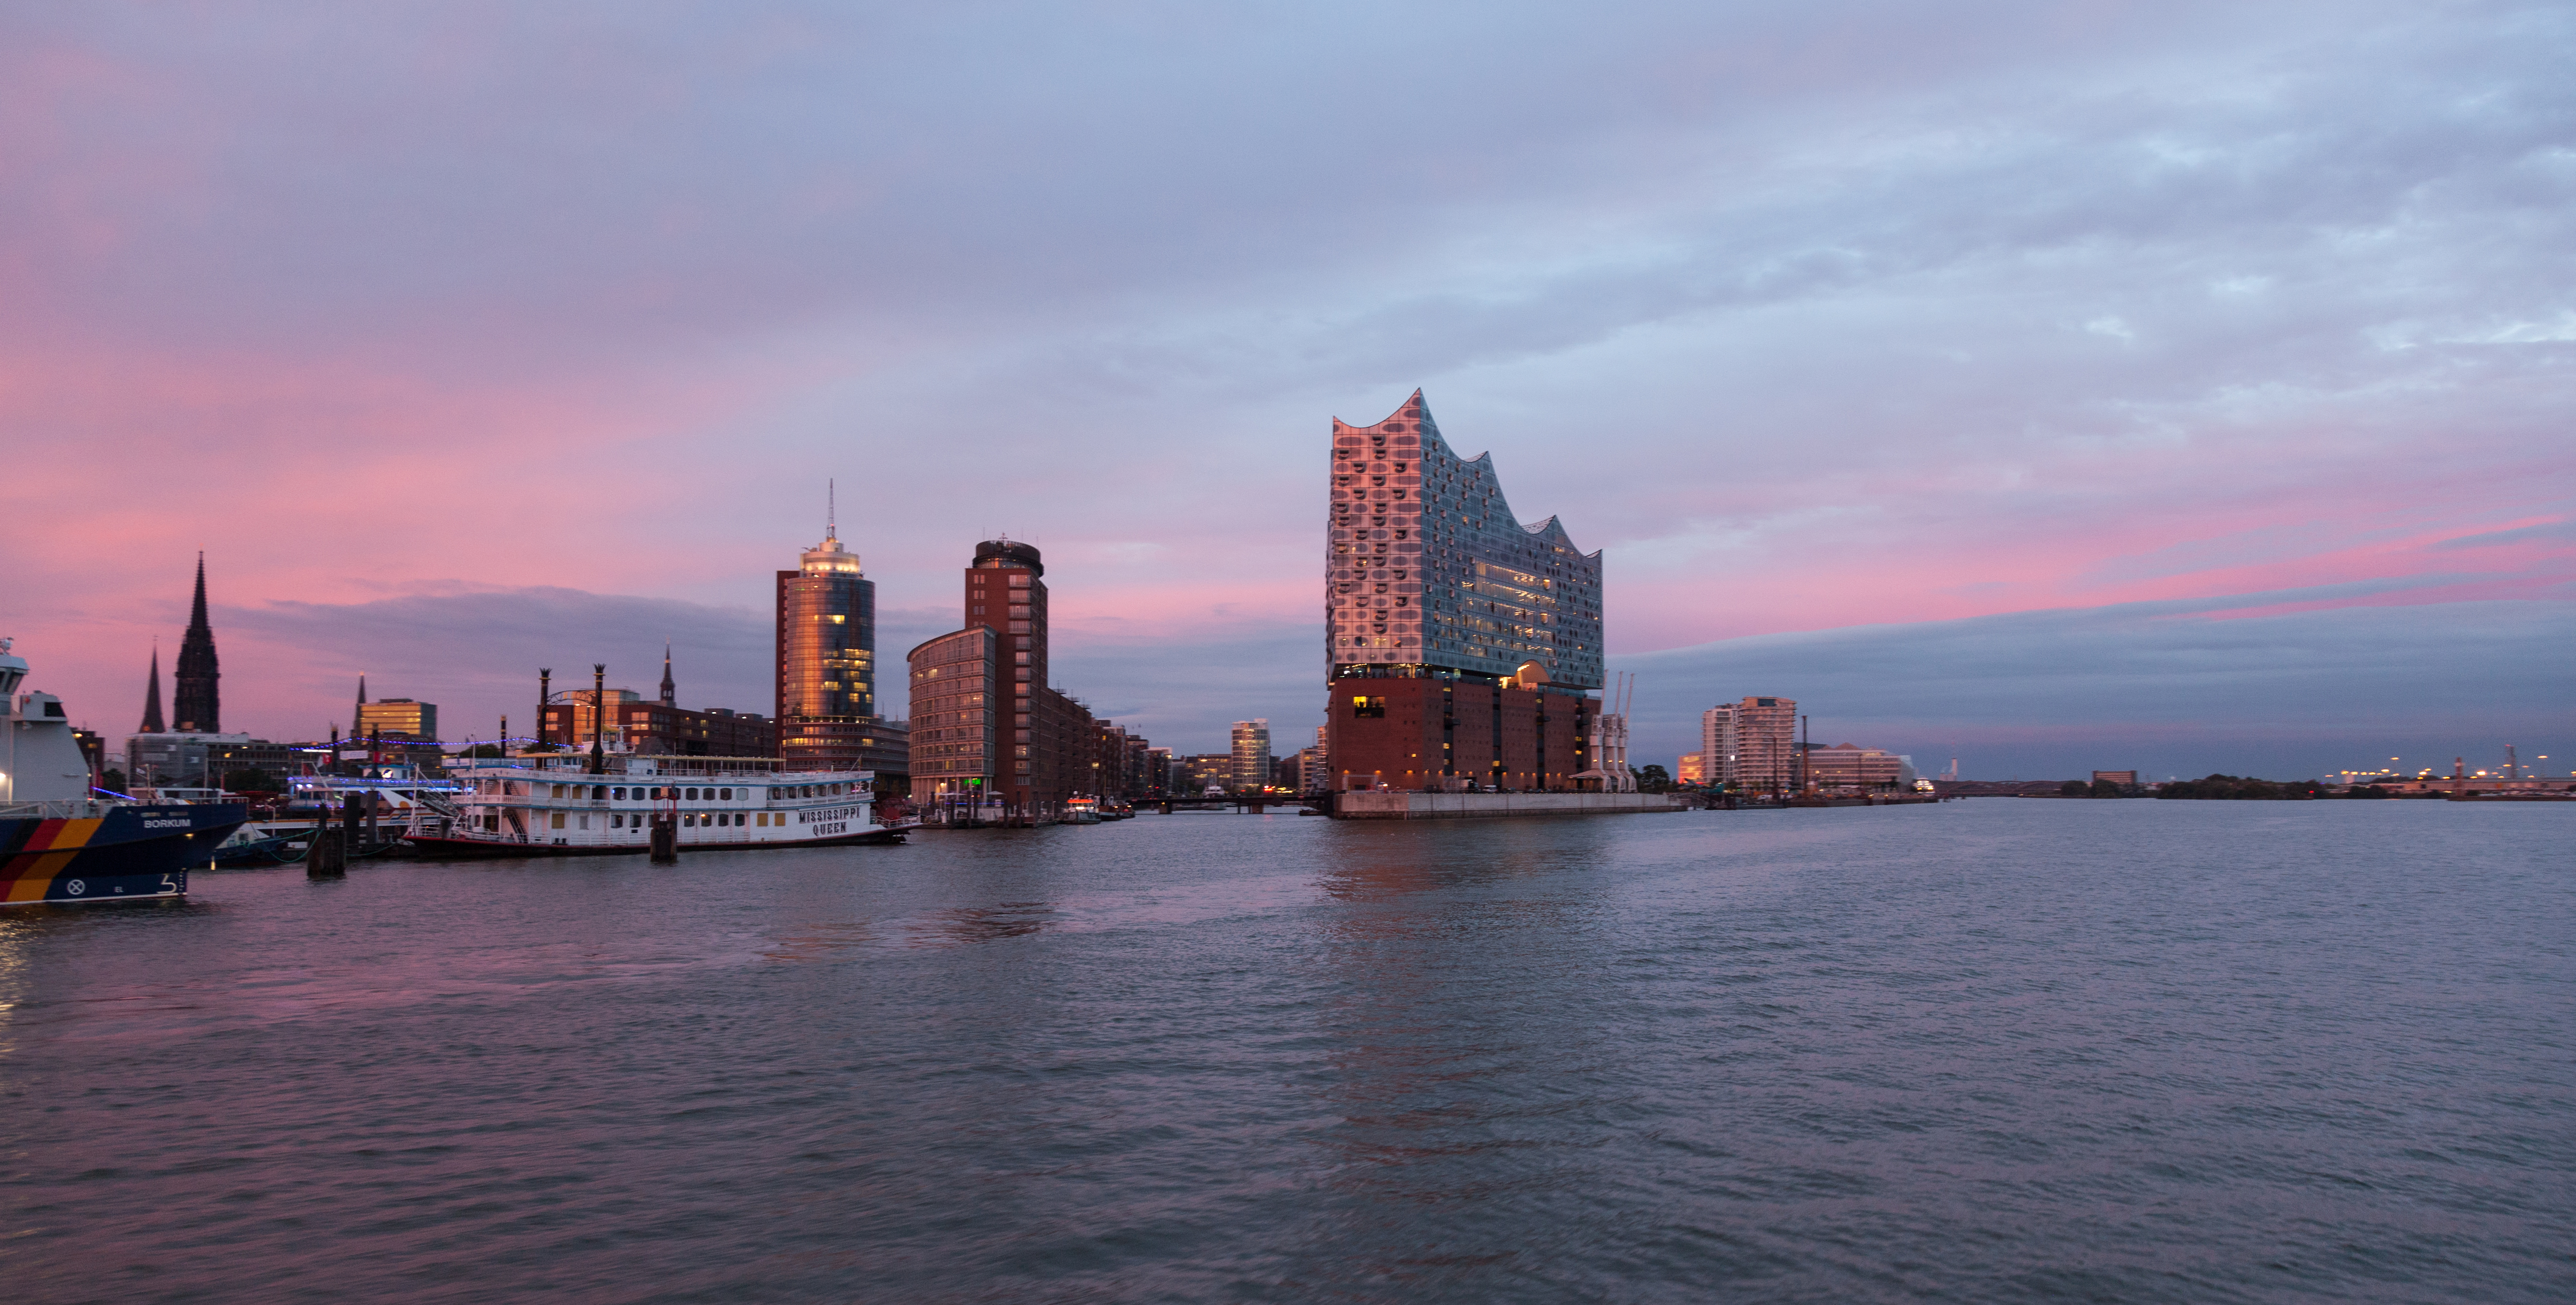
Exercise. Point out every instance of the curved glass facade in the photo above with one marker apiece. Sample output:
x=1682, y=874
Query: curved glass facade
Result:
x=827, y=639
x=1425, y=565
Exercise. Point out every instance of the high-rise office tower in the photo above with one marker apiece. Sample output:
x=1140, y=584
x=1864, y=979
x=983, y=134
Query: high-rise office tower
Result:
x=195, y=705
x=827, y=641
x=1463, y=646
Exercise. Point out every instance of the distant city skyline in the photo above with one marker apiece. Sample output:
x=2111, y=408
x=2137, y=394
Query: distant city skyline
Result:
x=2205, y=366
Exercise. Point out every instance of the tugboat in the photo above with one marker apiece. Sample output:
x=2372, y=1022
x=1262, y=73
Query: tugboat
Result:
x=63, y=842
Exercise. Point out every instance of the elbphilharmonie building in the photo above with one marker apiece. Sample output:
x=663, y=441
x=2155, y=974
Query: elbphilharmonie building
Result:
x=1434, y=590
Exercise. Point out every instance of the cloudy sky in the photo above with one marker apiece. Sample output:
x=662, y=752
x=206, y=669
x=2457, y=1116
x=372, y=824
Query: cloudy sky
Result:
x=2178, y=385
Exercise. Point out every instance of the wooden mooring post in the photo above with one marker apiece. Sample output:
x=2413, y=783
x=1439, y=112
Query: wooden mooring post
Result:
x=326, y=857
x=666, y=839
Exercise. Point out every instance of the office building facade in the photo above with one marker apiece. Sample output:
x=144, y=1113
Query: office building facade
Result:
x=826, y=659
x=1463, y=647
x=1847, y=766
x=397, y=718
x=658, y=728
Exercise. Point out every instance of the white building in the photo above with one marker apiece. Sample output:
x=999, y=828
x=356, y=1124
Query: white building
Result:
x=1252, y=766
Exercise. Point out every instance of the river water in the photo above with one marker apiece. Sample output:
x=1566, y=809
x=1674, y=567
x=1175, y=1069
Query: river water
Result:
x=1990, y=1050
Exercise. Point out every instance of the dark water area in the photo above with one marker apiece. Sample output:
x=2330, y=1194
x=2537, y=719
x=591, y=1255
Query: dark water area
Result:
x=1990, y=1050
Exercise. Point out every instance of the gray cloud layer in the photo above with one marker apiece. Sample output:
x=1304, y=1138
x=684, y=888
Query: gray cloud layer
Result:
x=2178, y=687
x=2161, y=687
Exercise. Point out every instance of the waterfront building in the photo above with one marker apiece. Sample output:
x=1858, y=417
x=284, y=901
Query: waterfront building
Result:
x=178, y=759
x=956, y=741
x=661, y=727
x=1158, y=772
x=395, y=718
x=1691, y=769
x=1141, y=774
x=1120, y=762
x=1851, y=766
x=1252, y=766
x=282, y=761
x=1202, y=771
x=2123, y=778
x=195, y=706
x=1764, y=753
x=1462, y=646
x=1718, y=741
x=1315, y=763
x=1033, y=747
x=826, y=659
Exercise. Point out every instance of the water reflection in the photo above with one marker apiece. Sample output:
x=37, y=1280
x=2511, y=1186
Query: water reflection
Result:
x=820, y=941
x=965, y=925
x=1461, y=1065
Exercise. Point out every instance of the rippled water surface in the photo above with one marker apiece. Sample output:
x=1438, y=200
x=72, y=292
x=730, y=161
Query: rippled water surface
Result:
x=1987, y=1051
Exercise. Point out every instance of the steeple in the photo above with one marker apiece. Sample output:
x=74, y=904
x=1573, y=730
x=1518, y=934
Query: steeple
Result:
x=670, y=691
x=194, y=701
x=828, y=557
x=152, y=695
x=360, y=713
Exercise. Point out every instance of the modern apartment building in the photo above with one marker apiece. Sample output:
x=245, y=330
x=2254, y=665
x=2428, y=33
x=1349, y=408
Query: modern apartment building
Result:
x=1463, y=647
x=1718, y=741
x=1252, y=765
x=1763, y=755
x=956, y=741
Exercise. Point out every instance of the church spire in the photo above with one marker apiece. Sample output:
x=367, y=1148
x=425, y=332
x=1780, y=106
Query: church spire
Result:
x=194, y=701
x=670, y=691
x=360, y=713
x=152, y=695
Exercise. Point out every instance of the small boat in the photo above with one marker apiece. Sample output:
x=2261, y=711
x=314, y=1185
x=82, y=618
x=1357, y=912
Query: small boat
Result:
x=1080, y=811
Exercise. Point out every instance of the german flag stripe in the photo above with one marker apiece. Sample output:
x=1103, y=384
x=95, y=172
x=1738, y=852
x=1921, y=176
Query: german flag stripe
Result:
x=16, y=834
x=45, y=855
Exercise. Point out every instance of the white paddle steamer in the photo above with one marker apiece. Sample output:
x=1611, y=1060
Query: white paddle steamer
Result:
x=557, y=804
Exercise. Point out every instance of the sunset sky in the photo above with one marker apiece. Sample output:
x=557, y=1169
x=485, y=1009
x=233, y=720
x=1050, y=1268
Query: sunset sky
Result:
x=2185, y=386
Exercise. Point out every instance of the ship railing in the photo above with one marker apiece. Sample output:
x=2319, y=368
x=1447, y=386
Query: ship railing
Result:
x=57, y=809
